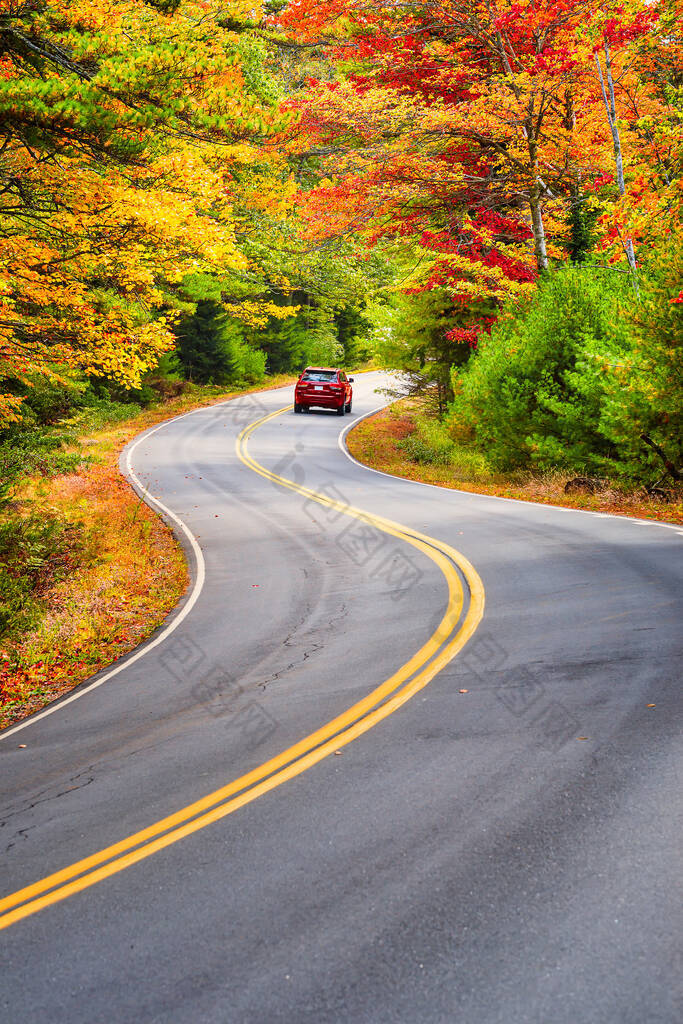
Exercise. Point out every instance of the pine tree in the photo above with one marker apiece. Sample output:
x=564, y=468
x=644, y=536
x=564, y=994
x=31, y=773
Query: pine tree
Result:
x=203, y=345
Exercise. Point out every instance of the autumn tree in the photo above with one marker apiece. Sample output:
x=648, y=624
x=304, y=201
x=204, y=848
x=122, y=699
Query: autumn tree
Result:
x=468, y=130
x=454, y=113
x=638, y=60
x=125, y=131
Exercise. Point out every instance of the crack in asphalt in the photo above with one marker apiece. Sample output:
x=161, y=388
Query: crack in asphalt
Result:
x=21, y=834
x=43, y=797
x=312, y=646
x=293, y=664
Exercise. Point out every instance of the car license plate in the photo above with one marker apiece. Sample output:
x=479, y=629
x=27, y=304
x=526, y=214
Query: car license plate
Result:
x=317, y=387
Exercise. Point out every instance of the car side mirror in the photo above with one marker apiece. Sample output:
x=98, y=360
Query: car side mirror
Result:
x=350, y=380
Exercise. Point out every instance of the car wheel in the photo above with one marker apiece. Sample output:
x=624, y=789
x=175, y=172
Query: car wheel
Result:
x=348, y=407
x=341, y=410
x=297, y=407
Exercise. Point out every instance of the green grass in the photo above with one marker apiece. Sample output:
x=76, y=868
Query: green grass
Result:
x=37, y=551
x=432, y=445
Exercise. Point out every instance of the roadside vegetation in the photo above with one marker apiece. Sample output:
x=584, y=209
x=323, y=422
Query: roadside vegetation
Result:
x=585, y=377
x=577, y=385
x=407, y=440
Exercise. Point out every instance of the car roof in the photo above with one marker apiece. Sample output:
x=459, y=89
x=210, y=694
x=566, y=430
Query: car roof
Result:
x=322, y=369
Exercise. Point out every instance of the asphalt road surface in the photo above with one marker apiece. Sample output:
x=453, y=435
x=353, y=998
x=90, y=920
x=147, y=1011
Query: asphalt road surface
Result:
x=492, y=836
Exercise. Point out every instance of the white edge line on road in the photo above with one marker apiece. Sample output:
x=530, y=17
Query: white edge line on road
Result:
x=148, y=646
x=492, y=497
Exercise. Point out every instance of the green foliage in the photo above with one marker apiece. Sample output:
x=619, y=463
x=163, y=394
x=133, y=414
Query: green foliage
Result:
x=28, y=448
x=353, y=333
x=308, y=338
x=424, y=454
x=247, y=365
x=48, y=399
x=534, y=394
x=258, y=77
x=582, y=236
x=328, y=296
x=647, y=395
x=213, y=349
x=321, y=300
x=101, y=411
x=411, y=337
x=164, y=381
x=199, y=286
x=202, y=349
x=432, y=445
x=27, y=451
x=36, y=551
x=574, y=376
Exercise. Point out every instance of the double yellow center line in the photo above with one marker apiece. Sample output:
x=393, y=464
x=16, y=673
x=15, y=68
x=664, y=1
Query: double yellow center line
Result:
x=456, y=627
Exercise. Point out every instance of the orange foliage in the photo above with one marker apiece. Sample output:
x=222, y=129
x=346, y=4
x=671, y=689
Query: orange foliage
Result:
x=468, y=130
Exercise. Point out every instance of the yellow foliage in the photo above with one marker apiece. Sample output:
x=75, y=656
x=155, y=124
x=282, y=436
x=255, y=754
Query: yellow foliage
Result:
x=144, y=189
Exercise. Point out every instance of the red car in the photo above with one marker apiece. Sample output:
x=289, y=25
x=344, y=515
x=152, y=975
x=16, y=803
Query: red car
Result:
x=325, y=388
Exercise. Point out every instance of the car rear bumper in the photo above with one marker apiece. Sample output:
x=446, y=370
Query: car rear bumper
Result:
x=320, y=401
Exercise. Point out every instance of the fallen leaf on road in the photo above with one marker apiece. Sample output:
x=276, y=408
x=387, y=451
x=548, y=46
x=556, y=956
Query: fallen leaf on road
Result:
x=463, y=691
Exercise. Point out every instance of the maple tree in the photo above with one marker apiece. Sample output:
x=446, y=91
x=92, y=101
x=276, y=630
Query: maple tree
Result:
x=479, y=143
x=468, y=131
x=443, y=119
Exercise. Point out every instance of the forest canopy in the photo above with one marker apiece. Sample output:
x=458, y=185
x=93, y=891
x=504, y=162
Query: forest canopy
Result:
x=217, y=190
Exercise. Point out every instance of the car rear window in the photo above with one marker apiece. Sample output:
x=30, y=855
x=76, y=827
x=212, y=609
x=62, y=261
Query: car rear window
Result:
x=319, y=375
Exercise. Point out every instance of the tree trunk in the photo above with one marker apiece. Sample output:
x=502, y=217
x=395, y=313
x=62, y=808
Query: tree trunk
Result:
x=538, y=229
x=535, y=193
x=611, y=108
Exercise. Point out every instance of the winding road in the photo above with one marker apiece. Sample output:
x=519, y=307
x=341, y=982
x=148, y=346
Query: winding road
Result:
x=402, y=754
